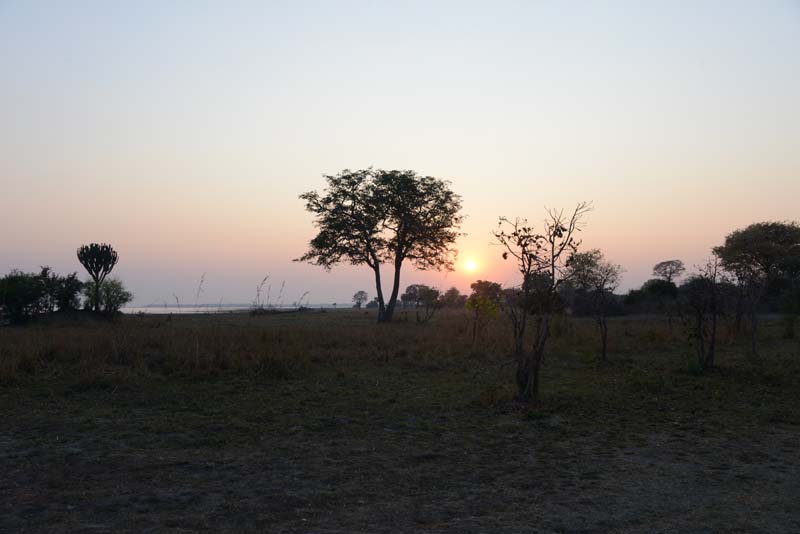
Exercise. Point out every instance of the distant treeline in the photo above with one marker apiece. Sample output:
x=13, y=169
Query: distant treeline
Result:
x=657, y=296
x=26, y=296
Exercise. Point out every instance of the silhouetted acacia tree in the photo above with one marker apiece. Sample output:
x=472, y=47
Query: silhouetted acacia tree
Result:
x=359, y=298
x=669, y=270
x=98, y=260
x=541, y=259
x=757, y=256
x=598, y=278
x=371, y=217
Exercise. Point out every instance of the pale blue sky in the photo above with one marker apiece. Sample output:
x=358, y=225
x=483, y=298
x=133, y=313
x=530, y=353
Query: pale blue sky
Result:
x=182, y=132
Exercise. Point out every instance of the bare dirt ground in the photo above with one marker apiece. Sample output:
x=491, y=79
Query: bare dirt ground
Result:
x=410, y=443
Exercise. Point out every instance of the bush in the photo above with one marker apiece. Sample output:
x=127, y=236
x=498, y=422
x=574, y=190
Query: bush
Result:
x=23, y=296
x=112, y=296
x=61, y=291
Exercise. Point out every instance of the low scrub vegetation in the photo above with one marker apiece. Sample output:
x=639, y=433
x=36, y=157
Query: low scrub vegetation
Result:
x=28, y=296
x=323, y=421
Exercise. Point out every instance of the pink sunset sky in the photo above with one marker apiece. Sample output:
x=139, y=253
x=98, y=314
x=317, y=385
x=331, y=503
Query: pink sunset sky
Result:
x=183, y=134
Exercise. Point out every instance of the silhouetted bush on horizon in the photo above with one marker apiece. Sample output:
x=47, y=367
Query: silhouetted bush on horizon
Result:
x=28, y=296
x=25, y=296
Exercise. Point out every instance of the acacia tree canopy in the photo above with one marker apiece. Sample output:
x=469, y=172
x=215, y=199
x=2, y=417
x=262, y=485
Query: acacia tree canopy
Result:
x=763, y=250
x=668, y=270
x=757, y=256
x=371, y=217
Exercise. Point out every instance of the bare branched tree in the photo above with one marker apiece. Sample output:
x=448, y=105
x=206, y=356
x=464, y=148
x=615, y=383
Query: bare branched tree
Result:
x=702, y=298
x=541, y=259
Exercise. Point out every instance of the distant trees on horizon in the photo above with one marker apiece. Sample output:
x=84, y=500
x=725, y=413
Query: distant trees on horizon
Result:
x=360, y=298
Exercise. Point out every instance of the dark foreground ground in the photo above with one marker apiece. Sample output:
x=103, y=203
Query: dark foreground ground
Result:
x=329, y=423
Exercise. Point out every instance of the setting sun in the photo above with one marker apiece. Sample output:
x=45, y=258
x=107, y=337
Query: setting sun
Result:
x=470, y=266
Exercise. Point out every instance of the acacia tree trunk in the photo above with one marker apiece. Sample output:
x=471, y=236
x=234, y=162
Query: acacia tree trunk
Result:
x=753, y=329
x=390, y=306
x=379, y=291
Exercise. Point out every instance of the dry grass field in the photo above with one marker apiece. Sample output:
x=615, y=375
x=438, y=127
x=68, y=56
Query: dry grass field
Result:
x=327, y=422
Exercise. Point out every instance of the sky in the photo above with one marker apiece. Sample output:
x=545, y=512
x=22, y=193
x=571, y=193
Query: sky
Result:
x=183, y=132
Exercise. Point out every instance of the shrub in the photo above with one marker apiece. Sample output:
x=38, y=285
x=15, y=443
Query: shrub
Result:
x=22, y=296
x=111, y=295
x=61, y=292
